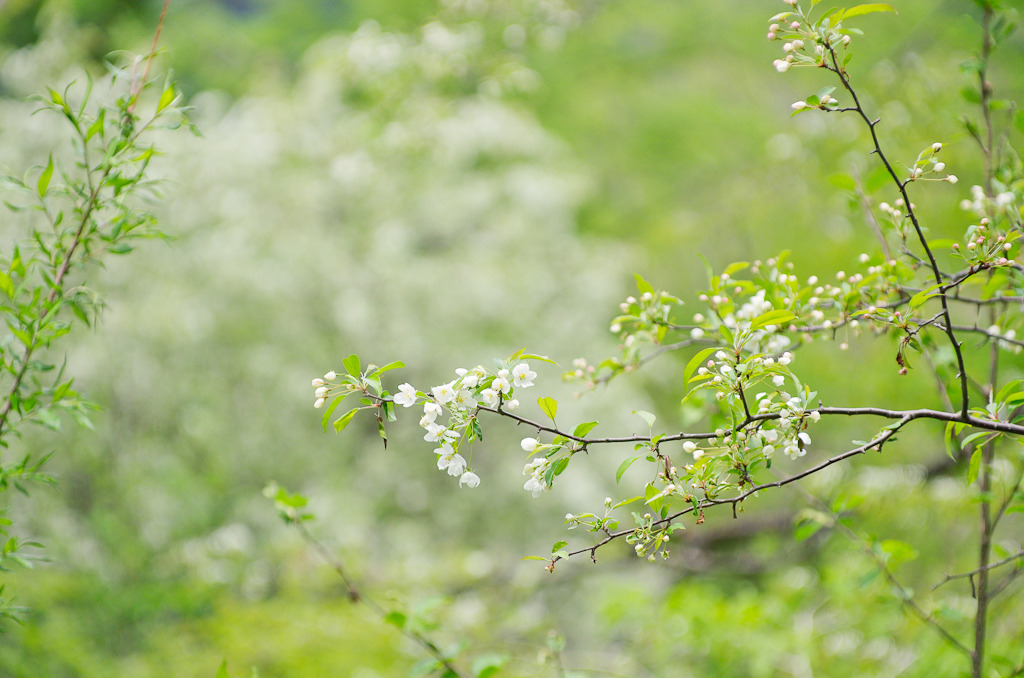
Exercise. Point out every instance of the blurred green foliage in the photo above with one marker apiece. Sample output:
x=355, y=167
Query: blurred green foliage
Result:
x=490, y=192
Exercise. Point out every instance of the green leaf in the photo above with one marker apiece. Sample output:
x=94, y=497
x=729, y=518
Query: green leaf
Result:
x=549, y=406
x=642, y=284
x=776, y=317
x=924, y=295
x=544, y=558
x=341, y=422
x=44, y=178
x=352, y=365
x=648, y=418
x=559, y=545
x=972, y=471
x=166, y=98
x=542, y=358
x=394, y=364
x=736, y=267
x=868, y=8
x=396, y=618
x=622, y=468
x=222, y=672
x=6, y=286
x=698, y=360
x=330, y=409
x=952, y=444
x=806, y=530
x=583, y=429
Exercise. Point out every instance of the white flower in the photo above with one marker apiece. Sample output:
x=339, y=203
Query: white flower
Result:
x=406, y=395
x=815, y=416
x=780, y=65
x=512, y=405
x=321, y=392
x=535, y=469
x=438, y=434
x=319, y=403
x=318, y=382
x=806, y=439
x=451, y=460
x=469, y=479
x=778, y=380
x=501, y=384
x=430, y=412
x=689, y=446
x=529, y=444
x=444, y=393
x=330, y=376
x=464, y=399
x=523, y=376
x=470, y=378
x=696, y=333
x=490, y=397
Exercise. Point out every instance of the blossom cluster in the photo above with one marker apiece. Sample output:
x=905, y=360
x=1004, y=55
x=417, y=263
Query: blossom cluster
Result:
x=459, y=400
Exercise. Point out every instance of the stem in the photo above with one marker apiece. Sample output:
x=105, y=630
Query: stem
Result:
x=902, y=186
x=357, y=597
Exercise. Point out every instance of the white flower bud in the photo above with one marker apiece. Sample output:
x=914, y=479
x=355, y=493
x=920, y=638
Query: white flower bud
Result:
x=331, y=376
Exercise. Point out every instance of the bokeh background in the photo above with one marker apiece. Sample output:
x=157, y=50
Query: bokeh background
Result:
x=443, y=183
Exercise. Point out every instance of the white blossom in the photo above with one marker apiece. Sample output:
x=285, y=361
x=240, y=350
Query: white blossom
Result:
x=490, y=397
x=406, y=395
x=501, y=384
x=469, y=479
x=523, y=376
x=430, y=412
x=444, y=393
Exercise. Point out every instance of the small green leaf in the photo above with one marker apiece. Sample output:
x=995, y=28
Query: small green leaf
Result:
x=952, y=444
x=222, y=672
x=542, y=358
x=924, y=295
x=544, y=558
x=549, y=406
x=583, y=429
x=648, y=418
x=352, y=365
x=341, y=422
x=44, y=178
x=395, y=364
x=868, y=8
x=642, y=284
x=622, y=468
x=396, y=618
x=972, y=471
x=559, y=545
x=330, y=409
x=776, y=317
x=806, y=530
x=6, y=286
x=698, y=360
x=166, y=98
